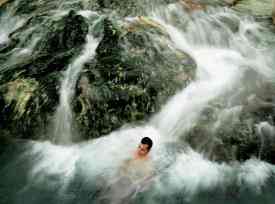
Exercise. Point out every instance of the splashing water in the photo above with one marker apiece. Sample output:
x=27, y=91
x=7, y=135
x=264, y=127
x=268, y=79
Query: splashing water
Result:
x=75, y=173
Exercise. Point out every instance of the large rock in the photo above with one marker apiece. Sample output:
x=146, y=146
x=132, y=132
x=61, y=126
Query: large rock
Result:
x=30, y=86
x=133, y=74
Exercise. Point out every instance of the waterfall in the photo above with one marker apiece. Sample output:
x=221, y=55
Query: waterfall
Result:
x=63, y=118
x=217, y=73
x=221, y=64
x=266, y=132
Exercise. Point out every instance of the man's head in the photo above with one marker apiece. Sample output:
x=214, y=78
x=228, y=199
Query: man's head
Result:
x=144, y=147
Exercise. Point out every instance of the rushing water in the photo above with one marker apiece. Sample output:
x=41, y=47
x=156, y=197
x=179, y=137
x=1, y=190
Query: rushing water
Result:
x=223, y=59
x=63, y=119
x=48, y=173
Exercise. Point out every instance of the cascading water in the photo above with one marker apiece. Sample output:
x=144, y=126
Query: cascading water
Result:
x=75, y=174
x=9, y=24
x=221, y=64
x=266, y=132
x=63, y=119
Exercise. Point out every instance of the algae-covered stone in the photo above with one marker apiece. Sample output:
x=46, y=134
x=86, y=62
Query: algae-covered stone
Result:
x=20, y=91
x=25, y=108
x=133, y=74
x=30, y=85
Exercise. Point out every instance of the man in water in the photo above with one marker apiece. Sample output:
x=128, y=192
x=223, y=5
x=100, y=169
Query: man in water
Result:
x=134, y=175
x=140, y=163
x=144, y=148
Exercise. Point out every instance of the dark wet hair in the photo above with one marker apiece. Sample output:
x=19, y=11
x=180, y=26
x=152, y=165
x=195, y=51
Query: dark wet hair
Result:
x=148, y=141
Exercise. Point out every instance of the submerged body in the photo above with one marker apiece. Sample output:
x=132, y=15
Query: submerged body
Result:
x=137, y=170
x=134, y=176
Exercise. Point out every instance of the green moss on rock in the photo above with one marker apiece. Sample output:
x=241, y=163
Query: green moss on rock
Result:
x=133, y=74
x=20, y=91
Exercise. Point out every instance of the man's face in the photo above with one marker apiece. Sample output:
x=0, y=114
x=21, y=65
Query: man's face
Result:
x=143, y=149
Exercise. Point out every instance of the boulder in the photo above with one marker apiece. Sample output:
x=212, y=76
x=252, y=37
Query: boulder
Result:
x=30, y=87
x=130, y=77
x=133, y=73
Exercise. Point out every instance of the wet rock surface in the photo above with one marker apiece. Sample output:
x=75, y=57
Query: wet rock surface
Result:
x=127, y=81
x=30, y=86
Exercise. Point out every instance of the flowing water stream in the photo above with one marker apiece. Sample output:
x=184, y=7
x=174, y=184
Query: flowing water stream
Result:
x=48, y=173
x=63, y=119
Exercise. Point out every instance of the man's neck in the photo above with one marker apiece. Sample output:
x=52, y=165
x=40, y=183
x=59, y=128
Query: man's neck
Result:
x=140, y=157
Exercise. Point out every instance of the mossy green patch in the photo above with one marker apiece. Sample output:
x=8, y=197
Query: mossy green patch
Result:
x=20, y=91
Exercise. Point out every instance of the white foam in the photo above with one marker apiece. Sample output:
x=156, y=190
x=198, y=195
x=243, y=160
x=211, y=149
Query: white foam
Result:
x=87, y=13
x=254, y=174
x=217, y=74
x=192, y=174
x=4, y=38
